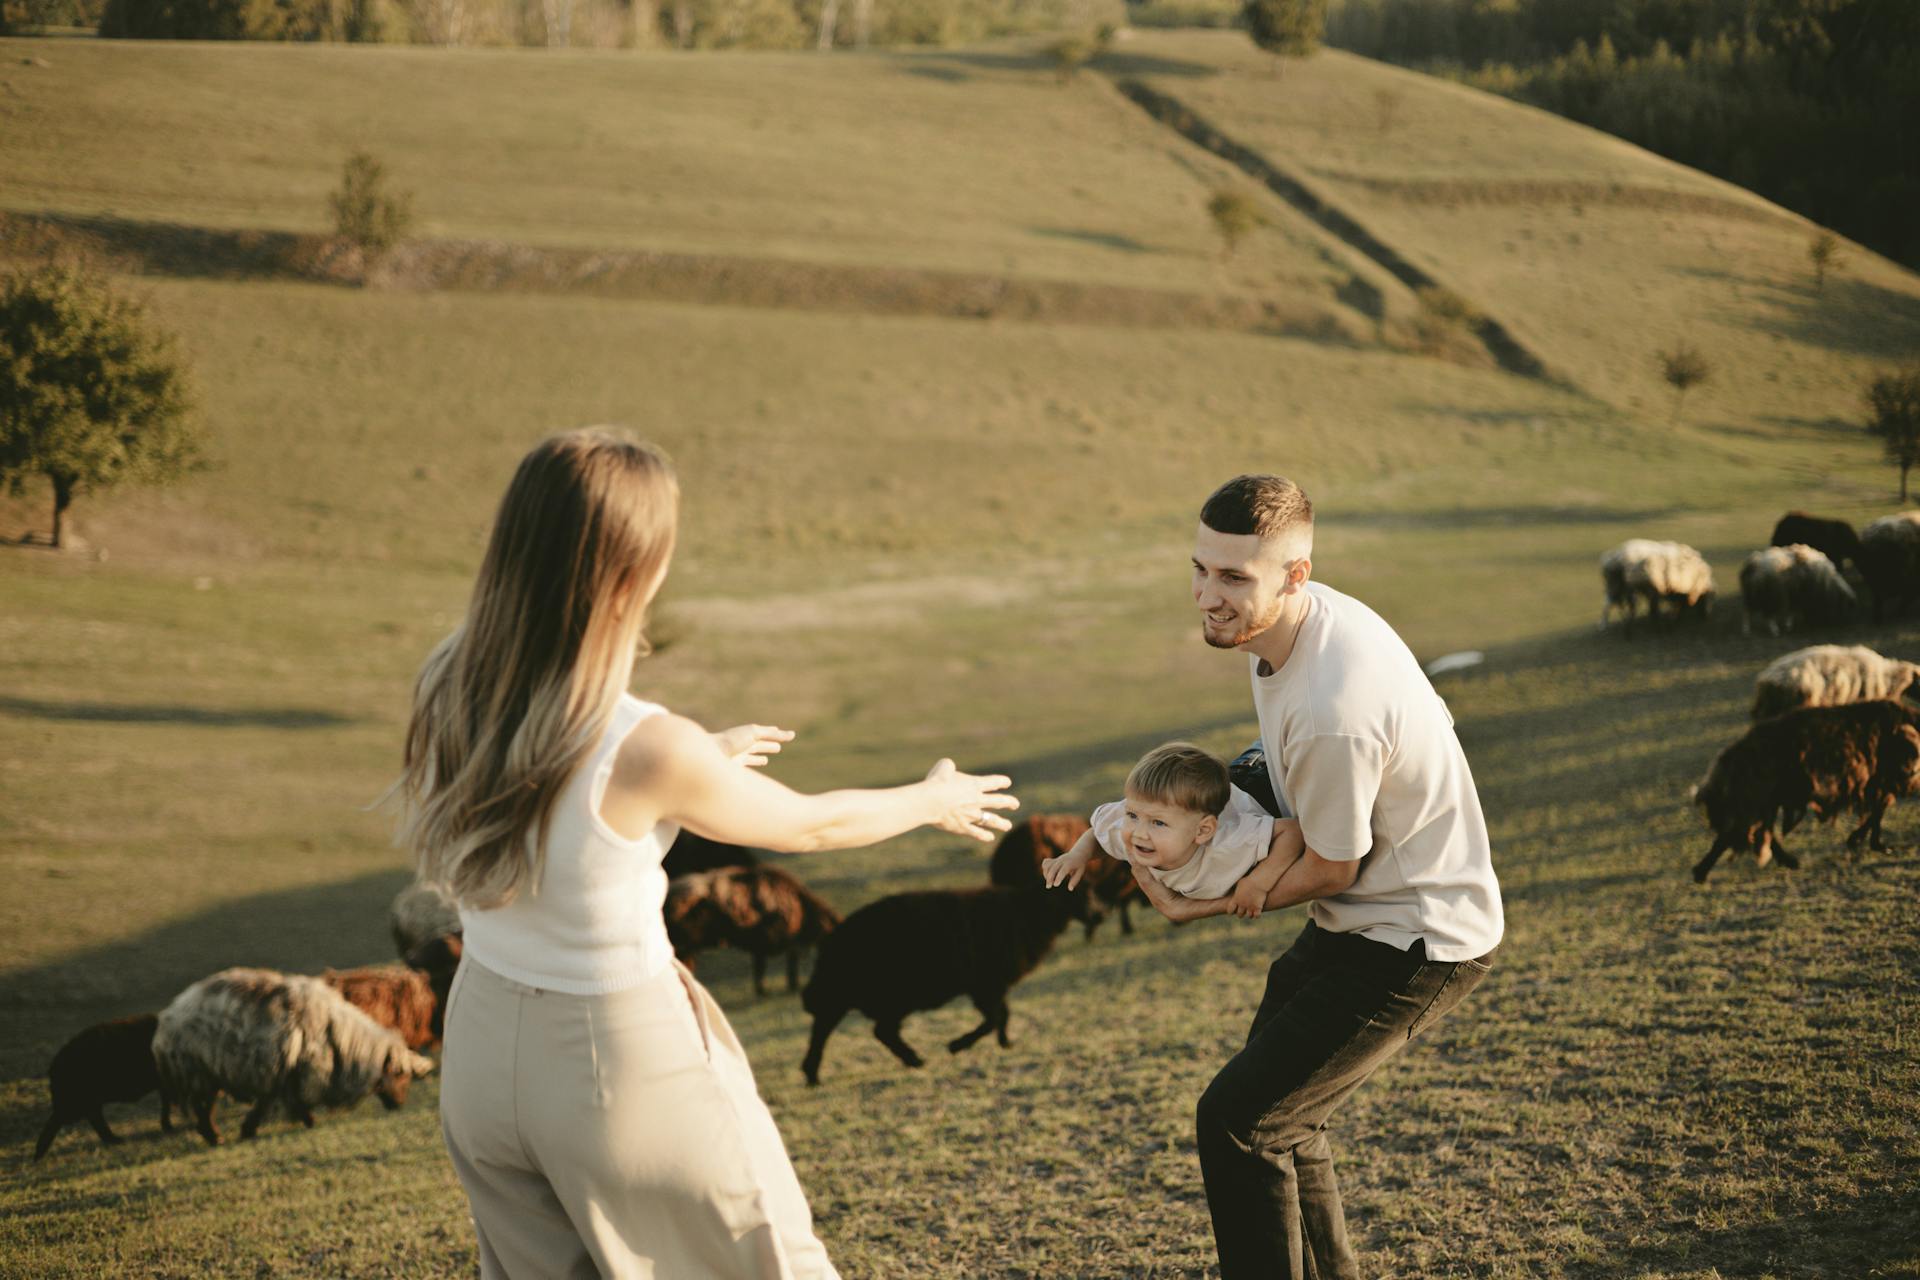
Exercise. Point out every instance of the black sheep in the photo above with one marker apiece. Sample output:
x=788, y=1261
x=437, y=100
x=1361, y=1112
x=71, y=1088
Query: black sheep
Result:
x=916, y=951
x=691, y=853
x=1835, y=539
x=111, y=1062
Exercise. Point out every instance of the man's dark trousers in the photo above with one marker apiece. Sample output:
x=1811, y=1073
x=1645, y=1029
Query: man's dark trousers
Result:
x=1337, y=1006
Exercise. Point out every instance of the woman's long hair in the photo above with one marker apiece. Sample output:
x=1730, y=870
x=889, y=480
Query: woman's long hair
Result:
x=511, y=703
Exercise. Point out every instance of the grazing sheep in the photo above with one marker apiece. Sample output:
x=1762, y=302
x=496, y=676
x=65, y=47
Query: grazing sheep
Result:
x=1890, y=562
x=439, y=959
x=1669, y=573
x=420, y=912
x=691, y=853
x=1791, y=586
x=1859, y=757
x=1017, y=858
x=268, y=1037
x=763, y=911
x=1828, y=675
x=1834, y=539
x=397, y=997
x=109, y=1062
x=916, y=951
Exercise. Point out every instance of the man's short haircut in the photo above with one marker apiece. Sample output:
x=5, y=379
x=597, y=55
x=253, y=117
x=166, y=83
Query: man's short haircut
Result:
x=1270, y=506
x=1182, y=775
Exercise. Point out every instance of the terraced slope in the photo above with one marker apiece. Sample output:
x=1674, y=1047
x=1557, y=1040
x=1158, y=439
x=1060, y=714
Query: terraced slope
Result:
x=1593, y=251
x=881, y=161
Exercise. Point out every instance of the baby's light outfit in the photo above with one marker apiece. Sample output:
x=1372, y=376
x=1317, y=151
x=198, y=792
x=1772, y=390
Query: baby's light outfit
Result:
x=1241, y=839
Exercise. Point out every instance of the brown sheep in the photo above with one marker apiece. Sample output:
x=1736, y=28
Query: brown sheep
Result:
x=1017, y=858
x=394, y=996
x=1859, y=757
x=761, y=910
x=110, y=1062
x=916, y=951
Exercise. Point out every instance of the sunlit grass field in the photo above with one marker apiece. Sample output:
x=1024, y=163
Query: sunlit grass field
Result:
x=907, y=538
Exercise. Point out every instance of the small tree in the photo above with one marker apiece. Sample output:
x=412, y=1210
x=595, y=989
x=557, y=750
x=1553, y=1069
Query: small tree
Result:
x=1893, y=403
x=1386, y=105
x=1824, y=253
x=1684, y=368
x=91, y=393
x=1286, y=28
x=365, y=212
x=1444, y=320
x=1069, y=54
x=1235, y=215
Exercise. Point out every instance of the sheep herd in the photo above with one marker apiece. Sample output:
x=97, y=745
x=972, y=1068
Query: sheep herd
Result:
x=258, y=1036
x=1832, y=734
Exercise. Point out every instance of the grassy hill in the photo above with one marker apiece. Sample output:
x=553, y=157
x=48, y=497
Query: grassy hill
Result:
x=908, y=536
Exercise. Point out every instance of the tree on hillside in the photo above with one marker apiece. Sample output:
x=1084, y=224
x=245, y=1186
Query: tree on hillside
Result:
x=365, y=212
x=1684, y=368
x=1069, y=54
x=91, y=392
x=1893, y=405
x=1824, y=253
x=1235, y=215
x=1286, y=28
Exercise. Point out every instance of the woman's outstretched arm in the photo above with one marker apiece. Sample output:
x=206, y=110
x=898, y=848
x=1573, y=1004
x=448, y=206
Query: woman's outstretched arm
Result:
x=671, y=770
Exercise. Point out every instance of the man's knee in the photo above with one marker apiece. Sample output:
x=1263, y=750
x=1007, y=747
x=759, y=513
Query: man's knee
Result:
x=1231, y=1112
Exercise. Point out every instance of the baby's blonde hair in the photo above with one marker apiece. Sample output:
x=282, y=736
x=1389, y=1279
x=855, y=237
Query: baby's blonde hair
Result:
x=1182, y=775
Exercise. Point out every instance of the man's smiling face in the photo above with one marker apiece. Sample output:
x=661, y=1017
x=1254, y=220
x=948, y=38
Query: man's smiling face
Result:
x=1240, y=584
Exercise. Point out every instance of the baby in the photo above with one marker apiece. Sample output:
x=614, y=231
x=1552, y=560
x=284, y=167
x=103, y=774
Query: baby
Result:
x=1194, y=831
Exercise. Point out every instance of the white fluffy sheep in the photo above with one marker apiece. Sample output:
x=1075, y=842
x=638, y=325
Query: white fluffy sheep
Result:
x=1657, y=572
x=1793, y=585
x=1827, y=675
x=1890, y=562
x=421, y=913
x=268, y=1037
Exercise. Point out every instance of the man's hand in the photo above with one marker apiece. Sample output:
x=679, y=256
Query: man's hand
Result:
x=1172, y=905
x=751, y=744
x=1249, y=898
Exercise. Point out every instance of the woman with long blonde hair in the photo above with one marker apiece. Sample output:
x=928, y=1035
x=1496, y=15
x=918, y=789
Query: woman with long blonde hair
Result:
x=596, y=1105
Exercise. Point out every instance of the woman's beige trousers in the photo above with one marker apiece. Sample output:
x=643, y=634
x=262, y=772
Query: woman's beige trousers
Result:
x=616, y=1135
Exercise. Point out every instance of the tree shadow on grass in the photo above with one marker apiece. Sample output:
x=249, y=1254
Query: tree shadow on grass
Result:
x=210, y=717
x=1851, y=316
x=1854, y=1237
x=1103, y=239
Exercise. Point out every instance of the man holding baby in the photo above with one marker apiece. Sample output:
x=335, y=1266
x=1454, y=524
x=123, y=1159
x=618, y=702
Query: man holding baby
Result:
x=1384, y=839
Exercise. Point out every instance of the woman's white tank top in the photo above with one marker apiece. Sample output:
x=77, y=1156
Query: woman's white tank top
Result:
x=594, y=923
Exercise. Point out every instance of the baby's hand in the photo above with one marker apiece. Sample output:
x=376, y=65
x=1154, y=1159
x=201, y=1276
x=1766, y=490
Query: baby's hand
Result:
x=1249, y=900
x=1065, y=868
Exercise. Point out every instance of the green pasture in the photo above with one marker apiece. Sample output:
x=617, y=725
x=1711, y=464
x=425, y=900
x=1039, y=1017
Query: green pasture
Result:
x=907, y=538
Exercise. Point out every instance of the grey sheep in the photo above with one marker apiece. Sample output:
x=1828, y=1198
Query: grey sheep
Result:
x=1788, y=587
x=420, y=913
x=1829, y=675
x=268, y=1037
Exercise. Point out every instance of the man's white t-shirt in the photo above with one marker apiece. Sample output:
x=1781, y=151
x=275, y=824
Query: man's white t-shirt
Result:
x=1240, y=839
x=1362, y=750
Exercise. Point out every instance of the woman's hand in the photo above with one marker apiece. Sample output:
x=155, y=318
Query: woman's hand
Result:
x=962, y=801
x=751, y=744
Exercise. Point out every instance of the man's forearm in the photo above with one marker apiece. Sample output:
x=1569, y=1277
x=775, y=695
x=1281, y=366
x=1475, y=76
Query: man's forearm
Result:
x=1309, y=878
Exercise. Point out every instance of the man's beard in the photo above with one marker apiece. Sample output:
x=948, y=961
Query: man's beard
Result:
x=1246, y=633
